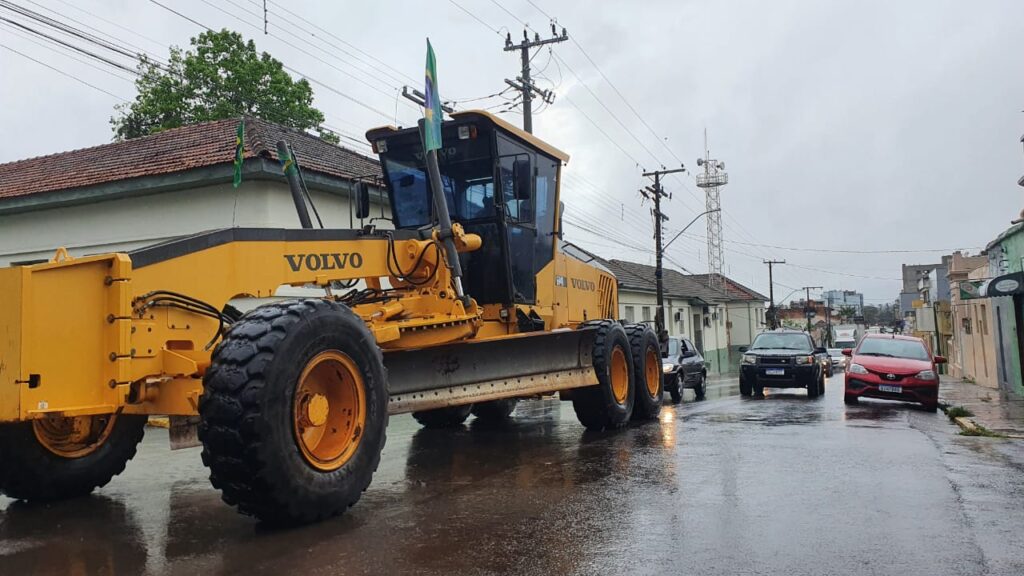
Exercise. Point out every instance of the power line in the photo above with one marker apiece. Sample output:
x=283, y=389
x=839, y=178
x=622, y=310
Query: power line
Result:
x=65, y=54
x=88, y=53
x=475, y=17
x=63, y=73
x=289, y=68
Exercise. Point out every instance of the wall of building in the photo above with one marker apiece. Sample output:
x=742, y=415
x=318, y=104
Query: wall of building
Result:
x=713, y=334
x=129, y=223
x=1005, y=258
x=744, y=320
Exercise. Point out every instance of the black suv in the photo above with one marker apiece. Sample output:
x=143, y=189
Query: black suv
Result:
x=684, y=367
x=782, y=359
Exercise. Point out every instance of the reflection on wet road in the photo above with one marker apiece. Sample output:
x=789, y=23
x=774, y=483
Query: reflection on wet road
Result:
x=784, y=485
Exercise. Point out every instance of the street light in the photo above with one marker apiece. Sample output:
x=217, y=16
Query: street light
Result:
x=695, y=218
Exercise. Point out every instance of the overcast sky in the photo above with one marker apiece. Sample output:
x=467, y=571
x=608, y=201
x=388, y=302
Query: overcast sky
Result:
x=868, y=125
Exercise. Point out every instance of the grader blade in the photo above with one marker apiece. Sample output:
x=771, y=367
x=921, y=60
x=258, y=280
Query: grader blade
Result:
x=468, y=372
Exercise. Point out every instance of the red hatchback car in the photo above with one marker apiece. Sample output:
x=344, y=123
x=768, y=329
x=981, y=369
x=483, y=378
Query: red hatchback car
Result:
x=894, y=368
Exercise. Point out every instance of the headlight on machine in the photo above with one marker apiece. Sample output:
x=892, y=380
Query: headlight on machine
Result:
x=927, y=375
x=749, y=359
x=857, y=369
x=804, y=360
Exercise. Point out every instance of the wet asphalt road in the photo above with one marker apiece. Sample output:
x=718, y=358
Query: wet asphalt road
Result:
x=785, y=485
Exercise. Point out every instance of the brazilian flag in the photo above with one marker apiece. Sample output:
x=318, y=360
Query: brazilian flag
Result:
x=432, y=105
x=239, y=150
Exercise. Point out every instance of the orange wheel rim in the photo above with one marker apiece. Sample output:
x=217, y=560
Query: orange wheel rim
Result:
x=73, y=437
x=619, y=374
x=329, y=413
x=653, y=373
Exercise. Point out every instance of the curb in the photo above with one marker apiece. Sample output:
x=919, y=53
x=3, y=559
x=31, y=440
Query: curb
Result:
x=965, y=424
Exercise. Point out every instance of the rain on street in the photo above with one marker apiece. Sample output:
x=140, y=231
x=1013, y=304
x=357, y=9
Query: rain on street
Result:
x=729, y=485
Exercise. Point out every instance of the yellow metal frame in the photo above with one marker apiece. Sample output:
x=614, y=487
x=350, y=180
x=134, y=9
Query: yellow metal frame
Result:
x=76, y=338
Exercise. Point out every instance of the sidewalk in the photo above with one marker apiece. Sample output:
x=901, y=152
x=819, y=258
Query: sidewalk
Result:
x=994, y=409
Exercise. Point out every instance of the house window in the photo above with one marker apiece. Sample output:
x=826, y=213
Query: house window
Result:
x=646, y=312
x=982, y=325
x=630, y=314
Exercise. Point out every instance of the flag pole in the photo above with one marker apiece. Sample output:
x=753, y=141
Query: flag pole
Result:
x=444, y=219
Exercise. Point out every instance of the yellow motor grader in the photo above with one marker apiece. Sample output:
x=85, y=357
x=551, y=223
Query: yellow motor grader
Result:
x=470, y=302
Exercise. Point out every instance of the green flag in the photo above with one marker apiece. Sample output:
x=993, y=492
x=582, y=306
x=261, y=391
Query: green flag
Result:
x=239, y=149
x=432, y=105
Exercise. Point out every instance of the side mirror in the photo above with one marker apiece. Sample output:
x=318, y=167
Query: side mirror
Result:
x=940, y=359
x=743, y=349
x=361, y=191
x=689, y=354
x=847, y=351
x=820, y=350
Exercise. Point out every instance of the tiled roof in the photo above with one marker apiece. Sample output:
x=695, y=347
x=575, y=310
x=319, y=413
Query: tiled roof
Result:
x=735, y=290
x=676, y=283
x=176, y=150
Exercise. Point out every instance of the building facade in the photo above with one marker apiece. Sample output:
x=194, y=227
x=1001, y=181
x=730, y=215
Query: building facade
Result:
x=845, y=298
x=972, y=350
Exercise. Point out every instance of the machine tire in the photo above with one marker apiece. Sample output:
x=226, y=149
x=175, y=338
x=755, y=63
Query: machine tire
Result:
x=702, y=386
x=249, y=412
x=745, y=388
x=447, y=417
x=814, y=388
x=597, y=407
x=642, y=343
x=495, y=410
x=31, y=471
x=675, y=388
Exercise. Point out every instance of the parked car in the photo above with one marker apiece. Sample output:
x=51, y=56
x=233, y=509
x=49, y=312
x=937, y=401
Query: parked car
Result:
x=894, y=368
x=826, y=361
x=684, y=367
x=782, y=359
x=837, y=358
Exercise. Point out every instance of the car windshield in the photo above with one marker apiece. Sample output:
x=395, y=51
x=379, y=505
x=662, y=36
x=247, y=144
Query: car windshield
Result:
x=673, y=348
x=782, y=341
x=893, y=348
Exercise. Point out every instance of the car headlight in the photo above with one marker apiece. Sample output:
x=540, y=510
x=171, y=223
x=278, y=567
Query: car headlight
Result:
x=804, y=360
x=857, y=369
x=666, y=368
x=749, y=359
x=927, y=375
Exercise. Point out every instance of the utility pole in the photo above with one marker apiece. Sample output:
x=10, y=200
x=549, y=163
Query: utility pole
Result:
x=523, y=83
x=807, y=304
x=773, y=321
x=828, y=321
x=655, y=193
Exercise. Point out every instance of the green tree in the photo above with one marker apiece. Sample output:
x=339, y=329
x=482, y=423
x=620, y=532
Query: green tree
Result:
x=847, y=312
x=872, y=314
x=221, y=76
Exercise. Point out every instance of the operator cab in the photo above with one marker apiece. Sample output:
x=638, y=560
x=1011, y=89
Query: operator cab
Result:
x=500, y=183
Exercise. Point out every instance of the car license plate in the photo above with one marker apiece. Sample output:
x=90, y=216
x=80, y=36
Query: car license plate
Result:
x=775, y=371
x=893, y=389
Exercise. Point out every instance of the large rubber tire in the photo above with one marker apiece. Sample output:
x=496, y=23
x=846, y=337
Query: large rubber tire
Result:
x=745, y=388
x=30, y=471
x=248, y=412
x=645, y=349
x=675, y=388
x=596, y=407
x=448, y=417
x=702, y=386
x=495, y=410
x=814, y=388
